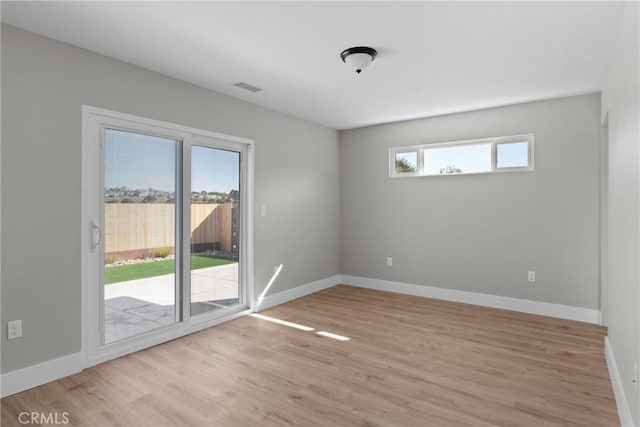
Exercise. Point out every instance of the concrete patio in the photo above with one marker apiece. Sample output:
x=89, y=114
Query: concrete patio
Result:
x=137, y=306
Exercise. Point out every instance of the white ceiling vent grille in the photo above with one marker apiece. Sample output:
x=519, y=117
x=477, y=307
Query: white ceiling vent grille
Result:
x=247, y=86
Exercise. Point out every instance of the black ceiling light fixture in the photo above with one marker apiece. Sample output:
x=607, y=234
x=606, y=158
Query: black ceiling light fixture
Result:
x=358, y=57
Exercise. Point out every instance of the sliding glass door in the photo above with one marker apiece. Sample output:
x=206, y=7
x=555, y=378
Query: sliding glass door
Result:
x=215, y=231
x=141, y=177
x=168, y=231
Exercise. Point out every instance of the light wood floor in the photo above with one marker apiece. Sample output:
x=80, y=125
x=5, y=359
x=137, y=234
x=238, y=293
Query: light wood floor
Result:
x=409, y=362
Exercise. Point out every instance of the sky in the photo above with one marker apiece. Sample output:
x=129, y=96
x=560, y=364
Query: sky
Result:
x=214, y=170
x=141, y=161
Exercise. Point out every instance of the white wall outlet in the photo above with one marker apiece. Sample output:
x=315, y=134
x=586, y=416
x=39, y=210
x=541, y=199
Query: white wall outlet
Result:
x=263, y=210
x=531, y=276
x=635, y=377
x=14, y=329
x=389, y=262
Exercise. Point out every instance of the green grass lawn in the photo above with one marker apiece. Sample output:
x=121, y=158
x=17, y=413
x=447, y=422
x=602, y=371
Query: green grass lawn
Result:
x=121, y=273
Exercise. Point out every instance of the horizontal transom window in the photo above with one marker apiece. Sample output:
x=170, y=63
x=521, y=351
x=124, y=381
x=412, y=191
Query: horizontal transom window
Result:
x=488, y=155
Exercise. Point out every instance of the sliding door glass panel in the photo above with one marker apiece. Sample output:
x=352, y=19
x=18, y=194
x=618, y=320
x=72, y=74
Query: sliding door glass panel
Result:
x=140, y=176
x=215, y=213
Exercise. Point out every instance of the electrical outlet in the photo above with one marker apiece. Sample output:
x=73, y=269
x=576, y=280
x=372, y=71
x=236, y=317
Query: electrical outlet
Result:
x=531, y=276
x=635, y=377
x=14, y=329
x=389, y=262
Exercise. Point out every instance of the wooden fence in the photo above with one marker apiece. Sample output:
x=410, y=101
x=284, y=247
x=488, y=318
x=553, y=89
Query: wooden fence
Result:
x=138, y=227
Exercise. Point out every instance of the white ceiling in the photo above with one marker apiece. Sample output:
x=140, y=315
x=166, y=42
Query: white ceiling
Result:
x=434, y=57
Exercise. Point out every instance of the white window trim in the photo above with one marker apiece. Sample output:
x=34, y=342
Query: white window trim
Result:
x=93, y=119
x=420, y=149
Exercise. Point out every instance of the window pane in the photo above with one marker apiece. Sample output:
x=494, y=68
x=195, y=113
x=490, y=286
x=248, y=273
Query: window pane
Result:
x=513, y=155
x=407, y=162
x=468, y=158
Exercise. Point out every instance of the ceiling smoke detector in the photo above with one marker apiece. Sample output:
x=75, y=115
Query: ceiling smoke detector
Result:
x=358, y=57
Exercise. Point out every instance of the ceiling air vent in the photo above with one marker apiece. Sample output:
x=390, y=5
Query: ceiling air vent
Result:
x=247, y=86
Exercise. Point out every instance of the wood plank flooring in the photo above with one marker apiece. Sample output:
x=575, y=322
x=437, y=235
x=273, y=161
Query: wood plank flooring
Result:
x=409, y=361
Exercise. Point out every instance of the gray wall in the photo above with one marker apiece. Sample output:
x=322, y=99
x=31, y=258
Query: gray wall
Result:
x=44, y=84
x=620, y=96
x=480, y=233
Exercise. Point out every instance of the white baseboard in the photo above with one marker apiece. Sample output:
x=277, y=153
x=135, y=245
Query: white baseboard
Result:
x=298, y=292
x=624, y=412
x=486, y=300
x=42, y=373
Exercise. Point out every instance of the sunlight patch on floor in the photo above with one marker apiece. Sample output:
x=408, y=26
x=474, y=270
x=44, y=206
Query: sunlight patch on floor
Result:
x=299, y=326
x=281, y=322
x=334, y=336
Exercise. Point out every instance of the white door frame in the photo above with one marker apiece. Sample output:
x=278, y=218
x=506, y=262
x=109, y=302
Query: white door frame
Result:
x=93, y=119
x=604, y=218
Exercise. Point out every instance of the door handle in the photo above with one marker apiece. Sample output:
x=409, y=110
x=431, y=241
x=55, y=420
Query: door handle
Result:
x=96, y=235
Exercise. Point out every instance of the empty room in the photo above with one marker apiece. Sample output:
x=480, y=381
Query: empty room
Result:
x=321, y=213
